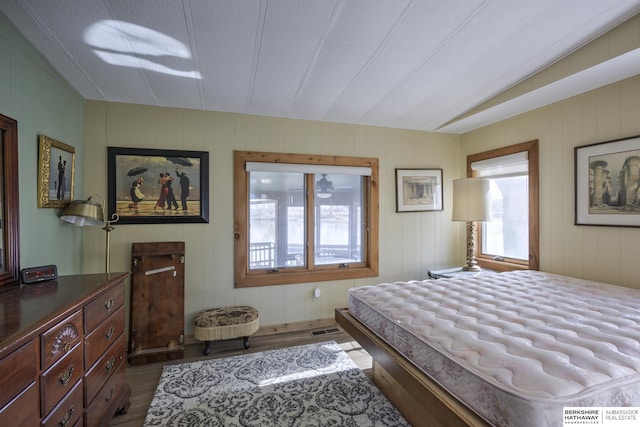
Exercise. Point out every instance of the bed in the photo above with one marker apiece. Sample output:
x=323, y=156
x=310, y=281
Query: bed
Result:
x=508, y=349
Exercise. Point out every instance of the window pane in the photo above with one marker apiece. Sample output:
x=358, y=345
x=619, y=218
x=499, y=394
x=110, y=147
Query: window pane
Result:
x=338, y=217
x=507, y=234
x=276, y=220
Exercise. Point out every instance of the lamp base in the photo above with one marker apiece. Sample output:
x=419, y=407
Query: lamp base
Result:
x=472, y=264
x=471, y=267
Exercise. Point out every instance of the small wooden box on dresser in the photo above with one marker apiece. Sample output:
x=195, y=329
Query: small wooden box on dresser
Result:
x=63, y=351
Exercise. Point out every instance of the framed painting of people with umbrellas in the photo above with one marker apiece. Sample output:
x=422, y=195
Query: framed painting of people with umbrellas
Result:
x=151, y=186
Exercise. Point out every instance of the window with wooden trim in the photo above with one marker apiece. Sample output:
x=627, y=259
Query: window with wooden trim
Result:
x=511, y=239
x=304, y=218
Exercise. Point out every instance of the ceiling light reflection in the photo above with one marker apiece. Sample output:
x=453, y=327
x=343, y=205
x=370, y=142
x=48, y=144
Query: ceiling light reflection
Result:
x=132, y=61
x=129, y=45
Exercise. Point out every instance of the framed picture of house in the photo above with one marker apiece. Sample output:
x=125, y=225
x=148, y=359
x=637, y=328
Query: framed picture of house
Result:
x=607, y=183
x=56, y=173
x=150, y=186
x=418, y=190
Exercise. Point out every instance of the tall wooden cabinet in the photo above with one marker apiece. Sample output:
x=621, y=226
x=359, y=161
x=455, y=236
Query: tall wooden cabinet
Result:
x=62, y=352
x=156, y=321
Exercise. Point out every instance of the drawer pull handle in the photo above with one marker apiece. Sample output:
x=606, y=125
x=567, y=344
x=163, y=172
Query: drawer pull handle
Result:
x=109, y=333
x=65, y=377
x=108, y=304
x=110, y=395
x=110, y=364
x=67, y=417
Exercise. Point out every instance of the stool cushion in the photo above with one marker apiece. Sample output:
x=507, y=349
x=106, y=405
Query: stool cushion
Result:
x=225, y=323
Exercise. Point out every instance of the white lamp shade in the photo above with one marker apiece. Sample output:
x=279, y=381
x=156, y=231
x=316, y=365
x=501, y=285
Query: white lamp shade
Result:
x=471, y=200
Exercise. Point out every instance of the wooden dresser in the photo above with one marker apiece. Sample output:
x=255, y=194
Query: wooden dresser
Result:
x=62, y=352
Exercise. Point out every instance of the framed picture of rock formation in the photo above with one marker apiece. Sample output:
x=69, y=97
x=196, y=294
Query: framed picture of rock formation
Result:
x=607, y=183
x=418, y=190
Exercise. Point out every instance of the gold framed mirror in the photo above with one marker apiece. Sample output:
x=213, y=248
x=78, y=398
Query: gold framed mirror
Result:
x=9, y=203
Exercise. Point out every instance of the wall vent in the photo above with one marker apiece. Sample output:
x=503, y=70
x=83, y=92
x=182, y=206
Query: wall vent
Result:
x=326, y=331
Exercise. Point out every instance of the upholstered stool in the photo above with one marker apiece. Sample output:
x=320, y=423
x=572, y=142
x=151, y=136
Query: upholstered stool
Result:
x=225, y=323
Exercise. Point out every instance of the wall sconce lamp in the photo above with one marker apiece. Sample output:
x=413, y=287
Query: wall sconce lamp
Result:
x=86, y=213
x=471, y=204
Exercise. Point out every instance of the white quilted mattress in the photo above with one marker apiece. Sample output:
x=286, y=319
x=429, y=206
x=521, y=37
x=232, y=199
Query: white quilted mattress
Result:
x=515, y=347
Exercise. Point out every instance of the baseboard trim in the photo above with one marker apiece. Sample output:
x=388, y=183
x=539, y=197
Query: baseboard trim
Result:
x=282, y=328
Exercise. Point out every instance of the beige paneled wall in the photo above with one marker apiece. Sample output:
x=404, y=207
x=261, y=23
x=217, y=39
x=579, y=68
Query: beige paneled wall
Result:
x=409, y=242
x=608, y=254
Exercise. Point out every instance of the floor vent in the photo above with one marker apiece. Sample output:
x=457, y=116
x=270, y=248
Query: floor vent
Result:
x=326, y=331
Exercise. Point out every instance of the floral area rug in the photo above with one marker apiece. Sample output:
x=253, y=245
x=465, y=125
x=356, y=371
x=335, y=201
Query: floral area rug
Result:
x=314, y=385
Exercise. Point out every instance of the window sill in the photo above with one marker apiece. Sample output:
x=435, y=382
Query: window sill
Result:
x=501, y=265
x=284, y=277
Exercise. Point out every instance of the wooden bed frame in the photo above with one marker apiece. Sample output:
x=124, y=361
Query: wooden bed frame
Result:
x=421, y=400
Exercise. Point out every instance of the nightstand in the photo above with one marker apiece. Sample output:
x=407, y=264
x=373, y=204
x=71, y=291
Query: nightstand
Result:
x=457, y=272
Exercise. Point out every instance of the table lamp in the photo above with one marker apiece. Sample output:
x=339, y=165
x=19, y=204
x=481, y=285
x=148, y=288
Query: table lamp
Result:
x=471, y=204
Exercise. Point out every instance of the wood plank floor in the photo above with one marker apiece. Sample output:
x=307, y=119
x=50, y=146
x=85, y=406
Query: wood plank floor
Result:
x=143, y=379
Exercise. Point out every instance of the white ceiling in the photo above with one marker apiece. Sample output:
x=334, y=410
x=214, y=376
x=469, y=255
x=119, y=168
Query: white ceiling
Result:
x=414, y=64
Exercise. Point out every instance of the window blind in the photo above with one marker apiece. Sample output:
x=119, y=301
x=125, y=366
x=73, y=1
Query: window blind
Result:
x=303, y=168
x=515, y=164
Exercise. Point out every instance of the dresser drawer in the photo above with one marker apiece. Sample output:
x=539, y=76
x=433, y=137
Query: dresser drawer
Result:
x=103, y=369
x=23, y=411
x=58, y=380
x=18, y=370
x=60, y=339
x=103, y=405
x=68, y=412
x=102, y=307
x=103, y=336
